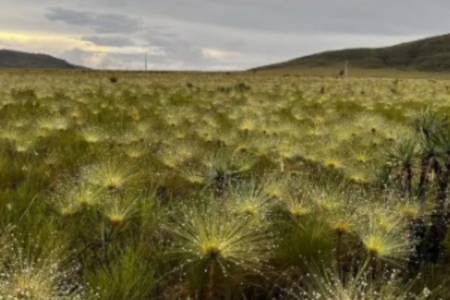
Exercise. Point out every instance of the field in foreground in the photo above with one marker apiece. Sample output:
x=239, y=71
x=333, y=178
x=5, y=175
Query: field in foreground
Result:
x=241, y=186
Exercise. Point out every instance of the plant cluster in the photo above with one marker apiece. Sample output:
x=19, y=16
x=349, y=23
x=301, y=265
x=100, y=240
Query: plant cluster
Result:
x=243, y=186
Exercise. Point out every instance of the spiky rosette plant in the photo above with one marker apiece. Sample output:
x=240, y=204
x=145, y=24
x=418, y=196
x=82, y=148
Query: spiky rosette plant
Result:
x=118, y=209
x=370, y=123
x=222, y=166
x=213, y=244
x=248, y=199
x=175, y=153
x=276, y=186
x=25, y=144
x=386, y=243
x=248, y=123
x=297, y=204
x=326, y=198
x=136, y=150
x=440, y=215
x=361, y=175
x=24, y=276
x=333, y=160
x=361, y=154
x=127, y=136
x=343, y=217
x=53, y=123
x=93, y=135
x=400, y=159
x=340, y=211
x=329, y=285
x=193, y=173
x=111, y=175
x=428, y=124
x=287, y=148
x=73, y=197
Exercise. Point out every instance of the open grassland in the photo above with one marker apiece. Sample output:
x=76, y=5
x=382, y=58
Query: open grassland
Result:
x=353, y=72
x=223, y=186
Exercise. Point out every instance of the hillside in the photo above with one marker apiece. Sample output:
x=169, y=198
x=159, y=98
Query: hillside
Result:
x=16, y=59
x=431, y=54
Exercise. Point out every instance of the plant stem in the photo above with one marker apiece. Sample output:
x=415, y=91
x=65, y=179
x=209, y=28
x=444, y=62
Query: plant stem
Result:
x=423, y=180
x=439, y=224
x=408, y=175
x=338, y=255
x=219, y=186
x=211, y=274
x=374, y=267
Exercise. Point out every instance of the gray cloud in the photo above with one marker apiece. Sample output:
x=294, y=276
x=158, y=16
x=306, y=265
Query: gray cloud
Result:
x=112, y=41
x=101, y=60
x=307, y=16
x=101, y=23
x=176, y=49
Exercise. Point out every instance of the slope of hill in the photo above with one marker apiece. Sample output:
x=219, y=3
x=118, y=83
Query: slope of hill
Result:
x=431, y=54
x=17, y=59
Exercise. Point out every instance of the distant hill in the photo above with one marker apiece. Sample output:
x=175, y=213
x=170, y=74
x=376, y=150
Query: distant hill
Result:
x=17, y=59
x=430, y=54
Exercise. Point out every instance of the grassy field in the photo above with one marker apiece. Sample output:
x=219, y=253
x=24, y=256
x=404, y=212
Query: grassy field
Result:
x=333, y=71
x=127, y=186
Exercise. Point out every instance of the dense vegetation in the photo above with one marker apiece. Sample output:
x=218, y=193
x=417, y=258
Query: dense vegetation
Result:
x=20, y=60
x=431, y=54
x=199, y=186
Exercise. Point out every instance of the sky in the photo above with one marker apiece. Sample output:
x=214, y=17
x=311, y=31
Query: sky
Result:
x=210, y=34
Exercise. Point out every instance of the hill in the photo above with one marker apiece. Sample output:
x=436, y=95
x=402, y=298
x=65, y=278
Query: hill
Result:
x=430, y=54
x=17, y=59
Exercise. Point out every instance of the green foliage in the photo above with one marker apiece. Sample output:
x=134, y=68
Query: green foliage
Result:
x=304, y=242
x=128, y=277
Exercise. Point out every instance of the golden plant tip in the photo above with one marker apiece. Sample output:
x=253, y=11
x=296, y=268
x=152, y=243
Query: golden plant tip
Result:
x=298, y=211
x=249, y=209
x=333, y=163
x=375, y=246
x=116, y=219
x=211, y=249
x=342, y=227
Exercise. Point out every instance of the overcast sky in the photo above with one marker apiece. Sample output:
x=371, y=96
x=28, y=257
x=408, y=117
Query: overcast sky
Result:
x=210, y=34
